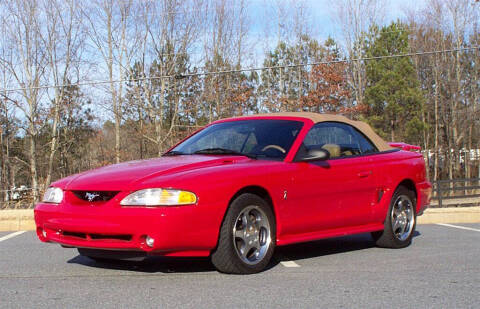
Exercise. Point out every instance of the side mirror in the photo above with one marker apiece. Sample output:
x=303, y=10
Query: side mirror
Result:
x=316, y=155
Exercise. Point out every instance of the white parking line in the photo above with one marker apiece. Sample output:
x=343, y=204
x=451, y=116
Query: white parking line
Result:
x=11, y=235
x=459, y=227
x=289, y=264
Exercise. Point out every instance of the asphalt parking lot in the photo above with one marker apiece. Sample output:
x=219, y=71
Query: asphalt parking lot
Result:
x=441, y=269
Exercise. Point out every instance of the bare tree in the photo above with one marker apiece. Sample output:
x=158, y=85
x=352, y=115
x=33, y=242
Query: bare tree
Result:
x=172, y=28
x=64, y=44
x=460, y=13
x=111, y=29
x=286, y=21
x=26, y=62
x=449, y=81
x=6, y=125
x=355, y=17
x=7, y=131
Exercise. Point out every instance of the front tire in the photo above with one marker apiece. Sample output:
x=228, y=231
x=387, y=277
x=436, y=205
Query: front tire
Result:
x=247, y=236
x=399, y=225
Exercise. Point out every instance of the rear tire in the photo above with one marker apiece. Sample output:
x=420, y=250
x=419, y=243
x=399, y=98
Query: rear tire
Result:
x=399, y=225
x=247, y=237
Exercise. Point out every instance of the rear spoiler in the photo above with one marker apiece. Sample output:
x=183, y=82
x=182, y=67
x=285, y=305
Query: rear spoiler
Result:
x=406, y=147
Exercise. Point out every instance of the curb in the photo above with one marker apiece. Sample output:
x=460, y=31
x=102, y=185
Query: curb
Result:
x=22, y=219
x=17, y=220
x=450, y=215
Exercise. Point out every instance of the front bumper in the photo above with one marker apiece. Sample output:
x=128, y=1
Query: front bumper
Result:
x=177, y=231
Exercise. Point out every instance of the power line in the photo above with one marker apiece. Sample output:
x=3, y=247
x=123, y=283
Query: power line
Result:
x=328, y=62
x=180, y=76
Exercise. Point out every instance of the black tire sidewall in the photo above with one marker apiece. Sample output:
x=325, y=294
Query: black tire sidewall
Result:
x=388, y=222
x=226, y=240
x=387, y=238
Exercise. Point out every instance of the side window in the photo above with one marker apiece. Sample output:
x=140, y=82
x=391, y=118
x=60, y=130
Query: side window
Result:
x=365, y=145
x=339, y=139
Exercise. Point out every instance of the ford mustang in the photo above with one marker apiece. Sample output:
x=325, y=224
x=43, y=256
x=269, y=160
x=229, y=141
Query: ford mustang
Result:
x=238, y=188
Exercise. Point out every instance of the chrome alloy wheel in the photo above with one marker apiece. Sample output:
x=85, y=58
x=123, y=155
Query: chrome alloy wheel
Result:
x=251, y=235
x=402, y=217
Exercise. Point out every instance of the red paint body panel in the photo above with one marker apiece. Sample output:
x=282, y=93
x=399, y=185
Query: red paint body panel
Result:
x=323, y=199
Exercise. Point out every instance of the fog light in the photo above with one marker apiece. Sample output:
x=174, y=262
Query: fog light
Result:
x=149, y=241
x=44, y=233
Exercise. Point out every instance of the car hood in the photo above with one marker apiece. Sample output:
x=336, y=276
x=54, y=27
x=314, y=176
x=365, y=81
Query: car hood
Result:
x=127, y=175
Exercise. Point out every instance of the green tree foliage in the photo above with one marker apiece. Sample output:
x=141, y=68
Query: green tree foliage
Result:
x=281, y=89
x=393, y=96
x=227, y=95
x=288, y=86
x=154, y=95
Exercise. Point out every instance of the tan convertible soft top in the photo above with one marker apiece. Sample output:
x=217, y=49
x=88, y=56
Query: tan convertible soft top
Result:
x=361, y=126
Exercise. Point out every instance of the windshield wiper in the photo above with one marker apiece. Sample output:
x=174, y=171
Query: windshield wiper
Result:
x=173, y=153
x=224, y=151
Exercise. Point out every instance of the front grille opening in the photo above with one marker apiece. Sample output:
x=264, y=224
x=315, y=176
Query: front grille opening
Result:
x=98, y=237
x=95, y=196
x=111, y=237
x=74, y=234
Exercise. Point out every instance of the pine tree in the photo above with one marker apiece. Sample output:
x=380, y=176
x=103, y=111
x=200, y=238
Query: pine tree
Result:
x=393, y=95
x=285, y=86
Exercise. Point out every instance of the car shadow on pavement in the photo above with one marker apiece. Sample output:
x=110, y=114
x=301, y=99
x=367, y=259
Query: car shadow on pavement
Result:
x=326, y=247
x=150, y=264
x=157, y=264
x=190, y=265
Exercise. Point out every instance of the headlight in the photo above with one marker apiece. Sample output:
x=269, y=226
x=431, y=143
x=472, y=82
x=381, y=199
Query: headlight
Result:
x=159, y=197
x=53, y=195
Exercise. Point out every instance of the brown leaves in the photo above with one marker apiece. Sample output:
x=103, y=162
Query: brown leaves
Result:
x=328, y=90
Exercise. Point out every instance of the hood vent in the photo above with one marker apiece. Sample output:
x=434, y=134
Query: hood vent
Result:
x=95, y=196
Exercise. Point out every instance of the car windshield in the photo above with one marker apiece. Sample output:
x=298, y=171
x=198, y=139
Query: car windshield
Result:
x=257, y=138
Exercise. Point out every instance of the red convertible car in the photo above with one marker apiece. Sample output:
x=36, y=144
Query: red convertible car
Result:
x=238, y=188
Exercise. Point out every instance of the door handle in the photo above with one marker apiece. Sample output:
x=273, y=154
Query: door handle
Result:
x=364, y=174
